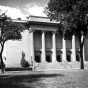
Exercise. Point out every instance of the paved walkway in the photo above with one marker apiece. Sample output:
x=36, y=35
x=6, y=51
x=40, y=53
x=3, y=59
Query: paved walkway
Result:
x=49, y=72
x=44, y=79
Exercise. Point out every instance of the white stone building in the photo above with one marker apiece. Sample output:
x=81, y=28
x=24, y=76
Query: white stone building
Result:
x=47, y=48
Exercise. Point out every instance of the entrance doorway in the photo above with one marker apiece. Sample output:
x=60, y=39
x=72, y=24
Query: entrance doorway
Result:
x=68, y=56
x=37, y=56
x=59, y=56
x=48, y=56
x=77, y=56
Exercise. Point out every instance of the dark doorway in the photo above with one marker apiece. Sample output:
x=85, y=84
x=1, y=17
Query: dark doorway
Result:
x=37, y=58
x=48, y=58
x=77, y=57
x=69, y=58
x=68, y=55
x=59, y=59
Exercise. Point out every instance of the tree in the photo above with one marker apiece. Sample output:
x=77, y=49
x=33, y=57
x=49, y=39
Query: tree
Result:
x=9, y=31
x=73, y=17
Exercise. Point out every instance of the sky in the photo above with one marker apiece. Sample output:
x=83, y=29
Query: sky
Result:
x=23, y=8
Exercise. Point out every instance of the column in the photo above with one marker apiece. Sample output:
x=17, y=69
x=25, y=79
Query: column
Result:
x=32, y=54
x=73, y=49
x=43, y=47
x=54, y=47
x=64, y=50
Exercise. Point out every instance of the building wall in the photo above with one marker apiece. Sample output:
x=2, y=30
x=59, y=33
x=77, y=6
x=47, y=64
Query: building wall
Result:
x=48, y=40
x=13, y=50
x=31, y=44
x=48, y=50
x=77, y=43
x=69, y=44
x=37, y=40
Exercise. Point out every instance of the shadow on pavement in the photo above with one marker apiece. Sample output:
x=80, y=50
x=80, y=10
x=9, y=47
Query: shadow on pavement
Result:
x=17, y=81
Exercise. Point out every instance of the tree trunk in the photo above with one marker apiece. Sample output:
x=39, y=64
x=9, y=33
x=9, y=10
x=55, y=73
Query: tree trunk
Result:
x=81, y=51
x=2, y=63
x=81, y=57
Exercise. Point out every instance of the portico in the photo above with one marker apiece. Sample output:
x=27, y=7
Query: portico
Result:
x=46, y=48
x=51, y=48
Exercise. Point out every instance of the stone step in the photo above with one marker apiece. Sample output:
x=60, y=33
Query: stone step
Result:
x=61, y=65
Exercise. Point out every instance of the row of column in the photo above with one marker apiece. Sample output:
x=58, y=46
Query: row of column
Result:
x=73, y=49
x=54, y=48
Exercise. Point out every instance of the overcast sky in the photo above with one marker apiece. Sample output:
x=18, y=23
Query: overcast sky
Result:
x=23, y=8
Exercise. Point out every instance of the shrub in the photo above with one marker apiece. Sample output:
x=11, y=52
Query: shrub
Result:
x=24, y=63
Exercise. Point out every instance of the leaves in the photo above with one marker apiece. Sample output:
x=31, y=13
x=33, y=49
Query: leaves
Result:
x=11, y=30
x=73, y=14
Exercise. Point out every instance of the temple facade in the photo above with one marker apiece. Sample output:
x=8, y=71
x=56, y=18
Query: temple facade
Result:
x=48, y=49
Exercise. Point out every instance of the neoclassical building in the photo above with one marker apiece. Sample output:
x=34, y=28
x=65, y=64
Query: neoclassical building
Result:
x=48, y=50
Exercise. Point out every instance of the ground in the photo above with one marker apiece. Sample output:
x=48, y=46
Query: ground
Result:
x=49, y=79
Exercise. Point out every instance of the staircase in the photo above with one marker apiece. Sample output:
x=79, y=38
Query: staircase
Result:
x=57, y=65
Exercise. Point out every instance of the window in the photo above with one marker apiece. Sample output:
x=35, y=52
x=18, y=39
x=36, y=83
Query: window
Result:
x=59, y=59
x=48, y=58
x=37, y=58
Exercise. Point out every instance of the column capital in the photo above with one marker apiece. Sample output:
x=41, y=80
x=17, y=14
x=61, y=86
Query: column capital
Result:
x=31, y=30
x=54, y=32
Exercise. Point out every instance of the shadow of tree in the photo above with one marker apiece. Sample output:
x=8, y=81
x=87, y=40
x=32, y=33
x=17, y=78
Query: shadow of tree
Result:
x=23, y=80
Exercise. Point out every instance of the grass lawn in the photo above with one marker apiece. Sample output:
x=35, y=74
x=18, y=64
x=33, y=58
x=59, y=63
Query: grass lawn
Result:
x=62, y=79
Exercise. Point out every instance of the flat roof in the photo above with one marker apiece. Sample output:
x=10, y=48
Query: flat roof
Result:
x=21, y=21
x=41, y=20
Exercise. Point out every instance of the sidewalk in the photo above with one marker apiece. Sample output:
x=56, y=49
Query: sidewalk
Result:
x=45, y=79
x=36, y=73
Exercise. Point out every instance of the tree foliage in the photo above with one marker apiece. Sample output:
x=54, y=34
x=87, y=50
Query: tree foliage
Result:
x=73, y=14
x=73, y=17
x=24, y=63
x=9, y=30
